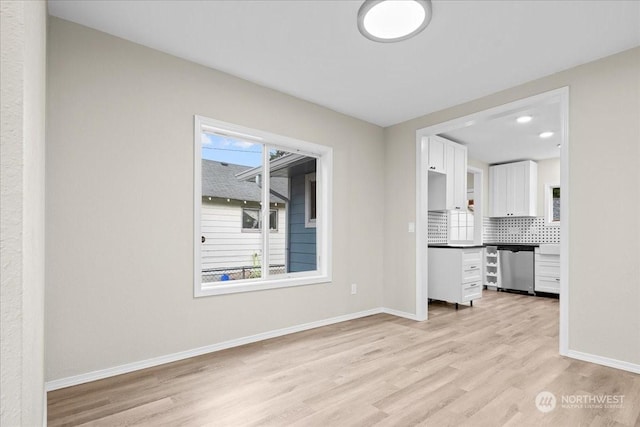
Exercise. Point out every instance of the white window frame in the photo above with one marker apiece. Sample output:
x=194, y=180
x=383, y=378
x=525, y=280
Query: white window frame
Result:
x=324, y=196
x=548, y=204
x=308, y=221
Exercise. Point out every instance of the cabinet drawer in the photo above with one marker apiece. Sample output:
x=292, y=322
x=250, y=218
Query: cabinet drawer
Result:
x=471, y=291
x=547, y=258
x=547, y=269
x=547, y=284
x=471, y=256
x=471, y=274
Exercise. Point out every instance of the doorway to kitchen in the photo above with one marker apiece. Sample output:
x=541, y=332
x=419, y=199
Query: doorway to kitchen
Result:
x=559, y=98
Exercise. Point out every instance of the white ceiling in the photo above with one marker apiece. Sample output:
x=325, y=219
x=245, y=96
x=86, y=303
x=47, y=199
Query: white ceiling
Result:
x=313, y=50
x=501, y=139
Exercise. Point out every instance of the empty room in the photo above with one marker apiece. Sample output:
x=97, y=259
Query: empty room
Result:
x=322, y=212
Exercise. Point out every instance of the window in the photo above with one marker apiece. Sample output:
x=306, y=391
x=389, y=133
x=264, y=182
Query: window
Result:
x=552, y=204
x=251, y=219
x=310, y=200
x=238, y=171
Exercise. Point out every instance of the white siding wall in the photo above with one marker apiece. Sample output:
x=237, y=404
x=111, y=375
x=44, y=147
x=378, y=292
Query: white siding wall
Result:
x=227, y=245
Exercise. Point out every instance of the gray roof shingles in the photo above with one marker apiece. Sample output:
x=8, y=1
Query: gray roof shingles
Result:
x=219, y=180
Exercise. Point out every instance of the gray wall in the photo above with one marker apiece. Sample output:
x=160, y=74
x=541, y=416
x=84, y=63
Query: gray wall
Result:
x=23, y=40
x=604, y=233
x=120, y=196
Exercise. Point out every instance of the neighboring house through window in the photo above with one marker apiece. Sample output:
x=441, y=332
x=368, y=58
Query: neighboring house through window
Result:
x=238, y=172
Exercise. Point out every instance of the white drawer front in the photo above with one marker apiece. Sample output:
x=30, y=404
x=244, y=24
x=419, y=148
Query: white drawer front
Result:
x=547, y=269
x=471, y=275
x=472, y=256
x=548, y=258
x=547, y=284
x=471, y=291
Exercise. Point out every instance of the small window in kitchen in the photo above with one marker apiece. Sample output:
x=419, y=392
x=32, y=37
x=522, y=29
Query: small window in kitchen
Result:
x=552, y=204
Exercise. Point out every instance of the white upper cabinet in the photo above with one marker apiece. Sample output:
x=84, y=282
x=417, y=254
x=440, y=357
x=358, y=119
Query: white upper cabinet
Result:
x=436, y=154
x=513, y=189
x=458, y=178
x=448, y=188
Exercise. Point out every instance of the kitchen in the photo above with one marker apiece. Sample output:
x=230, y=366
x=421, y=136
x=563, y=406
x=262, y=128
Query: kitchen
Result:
x=493, y=203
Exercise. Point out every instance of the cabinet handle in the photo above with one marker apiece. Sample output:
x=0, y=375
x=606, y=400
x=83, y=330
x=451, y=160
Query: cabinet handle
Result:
x=472, y=267
x=557, y=280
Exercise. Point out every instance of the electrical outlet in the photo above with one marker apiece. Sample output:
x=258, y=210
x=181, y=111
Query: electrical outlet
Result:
x=354, y=289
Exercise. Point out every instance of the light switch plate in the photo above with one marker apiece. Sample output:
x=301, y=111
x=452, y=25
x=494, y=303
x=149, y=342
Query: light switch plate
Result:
x=412, y=227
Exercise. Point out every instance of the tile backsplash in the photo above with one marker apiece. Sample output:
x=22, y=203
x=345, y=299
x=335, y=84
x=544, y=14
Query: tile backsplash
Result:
x=498, y=230
x=437, y=228
x=519, y=230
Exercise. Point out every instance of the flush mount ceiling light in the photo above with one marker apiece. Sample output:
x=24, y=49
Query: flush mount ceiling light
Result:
x=524, y=119
x=547, y=134
x=388, y=21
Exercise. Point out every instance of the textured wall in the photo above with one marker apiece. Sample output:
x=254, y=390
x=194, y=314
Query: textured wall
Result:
x=23, y=26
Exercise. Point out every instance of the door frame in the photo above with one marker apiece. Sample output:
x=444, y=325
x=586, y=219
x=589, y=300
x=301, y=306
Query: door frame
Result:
x=422, y=185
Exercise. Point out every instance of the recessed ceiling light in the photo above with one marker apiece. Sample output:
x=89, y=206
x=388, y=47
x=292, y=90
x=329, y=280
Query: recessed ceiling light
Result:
x=389, y=21
x=524, y=119
x=547, y=134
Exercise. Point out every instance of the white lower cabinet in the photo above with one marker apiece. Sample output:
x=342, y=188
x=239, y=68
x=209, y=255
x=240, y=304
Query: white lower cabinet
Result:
x=547, y=273
x=455, y=274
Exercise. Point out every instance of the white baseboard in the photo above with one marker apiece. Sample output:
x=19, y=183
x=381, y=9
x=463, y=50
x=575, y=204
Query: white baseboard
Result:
x=148, y=363
x=605, y=361
x=399, y=313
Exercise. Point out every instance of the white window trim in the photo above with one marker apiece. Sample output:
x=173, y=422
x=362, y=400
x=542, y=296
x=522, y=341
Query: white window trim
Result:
x=324, y=174
x=308, y=221
x=548, y=204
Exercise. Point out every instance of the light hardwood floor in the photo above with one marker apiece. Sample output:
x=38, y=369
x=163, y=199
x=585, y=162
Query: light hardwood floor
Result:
x=478, y=366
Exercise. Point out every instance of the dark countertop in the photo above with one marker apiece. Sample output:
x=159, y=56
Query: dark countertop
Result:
x=512, y=244
x=454, y=246
x=443, y=245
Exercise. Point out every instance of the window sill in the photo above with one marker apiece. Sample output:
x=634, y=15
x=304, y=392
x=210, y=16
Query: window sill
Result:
x=289, y=280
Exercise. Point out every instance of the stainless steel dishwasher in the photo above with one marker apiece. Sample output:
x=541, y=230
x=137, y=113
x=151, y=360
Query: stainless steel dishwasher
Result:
x=516, y=267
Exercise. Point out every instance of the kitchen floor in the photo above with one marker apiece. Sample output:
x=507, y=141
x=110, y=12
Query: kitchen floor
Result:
x=478, y=366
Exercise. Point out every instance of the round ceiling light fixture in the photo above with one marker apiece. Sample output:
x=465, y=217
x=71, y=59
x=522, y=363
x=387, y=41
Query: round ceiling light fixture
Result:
x=524, y=119
x=389, y=21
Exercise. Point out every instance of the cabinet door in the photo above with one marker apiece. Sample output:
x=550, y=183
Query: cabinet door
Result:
x=436, y=155
x=498, y=178
x=459, y=177
x=518, y=189
x=450, y=165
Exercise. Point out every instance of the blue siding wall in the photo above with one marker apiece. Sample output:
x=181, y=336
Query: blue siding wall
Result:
x=302, y=240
